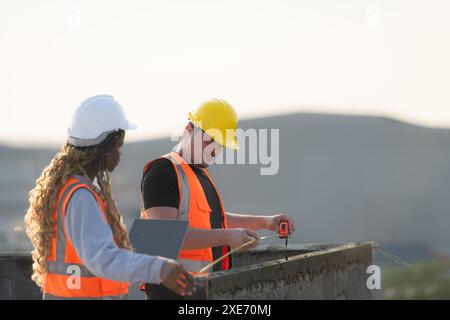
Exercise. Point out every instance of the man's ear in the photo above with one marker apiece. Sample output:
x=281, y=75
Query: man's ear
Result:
x=189, y=128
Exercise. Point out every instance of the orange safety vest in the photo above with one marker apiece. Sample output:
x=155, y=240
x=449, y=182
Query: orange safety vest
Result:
x=67, y=277
x=193, y=206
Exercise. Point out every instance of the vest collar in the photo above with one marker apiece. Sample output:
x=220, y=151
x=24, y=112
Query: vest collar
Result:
x=178, y=158
x=83, y=179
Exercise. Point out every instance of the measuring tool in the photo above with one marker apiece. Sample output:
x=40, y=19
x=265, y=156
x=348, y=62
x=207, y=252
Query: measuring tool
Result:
x=284, y=233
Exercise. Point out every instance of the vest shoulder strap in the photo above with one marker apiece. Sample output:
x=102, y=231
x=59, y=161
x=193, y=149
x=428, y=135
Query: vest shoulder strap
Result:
x=183, y=186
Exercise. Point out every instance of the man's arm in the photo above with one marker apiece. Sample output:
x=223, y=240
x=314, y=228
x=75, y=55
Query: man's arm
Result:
x=248, y=221
x=204, y=238
x=258, y=222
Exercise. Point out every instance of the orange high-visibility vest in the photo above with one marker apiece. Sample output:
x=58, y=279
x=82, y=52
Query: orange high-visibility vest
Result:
x=193, y=206
x=67, y=276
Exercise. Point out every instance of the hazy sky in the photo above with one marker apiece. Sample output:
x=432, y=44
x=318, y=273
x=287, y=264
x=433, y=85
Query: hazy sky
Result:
x=161, y=58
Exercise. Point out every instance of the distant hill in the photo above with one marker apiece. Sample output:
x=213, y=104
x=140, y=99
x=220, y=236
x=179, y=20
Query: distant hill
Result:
x=342, y=177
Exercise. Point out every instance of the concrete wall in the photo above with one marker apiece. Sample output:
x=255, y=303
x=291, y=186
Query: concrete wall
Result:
x=312, y=271
x=321, y=272
x=15, y=278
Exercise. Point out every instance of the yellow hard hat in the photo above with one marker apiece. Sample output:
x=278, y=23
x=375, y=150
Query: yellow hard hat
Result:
x=219, y=120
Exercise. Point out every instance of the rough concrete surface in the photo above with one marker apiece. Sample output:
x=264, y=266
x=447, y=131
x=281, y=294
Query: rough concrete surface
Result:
x=318, y=272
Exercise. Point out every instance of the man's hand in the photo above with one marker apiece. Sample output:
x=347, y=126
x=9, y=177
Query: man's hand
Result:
x=176, y=278
x=273, y=222
x=237, y=237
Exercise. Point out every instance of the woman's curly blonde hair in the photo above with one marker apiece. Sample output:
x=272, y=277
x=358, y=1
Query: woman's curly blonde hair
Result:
x=39, y=218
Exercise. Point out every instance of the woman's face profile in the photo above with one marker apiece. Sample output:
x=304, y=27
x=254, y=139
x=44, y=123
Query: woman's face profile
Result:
x=112, y=158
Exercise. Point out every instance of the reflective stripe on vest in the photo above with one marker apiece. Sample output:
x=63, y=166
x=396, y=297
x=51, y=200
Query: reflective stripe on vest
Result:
x=183, y=187
x=67, y=277
x=192, y=260
x=194, y=266
x=52, y=297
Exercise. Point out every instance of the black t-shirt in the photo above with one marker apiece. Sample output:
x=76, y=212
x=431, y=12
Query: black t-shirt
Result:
x=160, y=189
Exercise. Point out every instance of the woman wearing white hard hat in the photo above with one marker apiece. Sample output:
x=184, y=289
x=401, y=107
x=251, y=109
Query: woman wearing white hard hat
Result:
x=81, y=247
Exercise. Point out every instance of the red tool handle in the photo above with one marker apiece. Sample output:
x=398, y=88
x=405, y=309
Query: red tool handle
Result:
x=284, y=230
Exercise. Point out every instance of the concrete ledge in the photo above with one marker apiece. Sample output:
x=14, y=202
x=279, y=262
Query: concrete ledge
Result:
x=331, y=272
x=15, y=277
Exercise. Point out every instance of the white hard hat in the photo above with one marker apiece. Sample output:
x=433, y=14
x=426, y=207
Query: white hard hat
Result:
x=95, y=118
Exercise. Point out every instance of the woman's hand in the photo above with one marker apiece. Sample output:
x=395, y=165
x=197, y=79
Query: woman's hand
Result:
x=176, y=278
x=273, y=222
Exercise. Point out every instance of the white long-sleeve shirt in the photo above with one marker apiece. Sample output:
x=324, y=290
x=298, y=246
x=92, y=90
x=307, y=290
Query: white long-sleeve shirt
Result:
x=92, y=238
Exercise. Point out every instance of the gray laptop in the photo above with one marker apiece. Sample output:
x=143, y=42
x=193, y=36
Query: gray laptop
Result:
x=158, y=237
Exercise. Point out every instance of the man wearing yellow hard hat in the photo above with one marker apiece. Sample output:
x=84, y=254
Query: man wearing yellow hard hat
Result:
x=178, y=186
